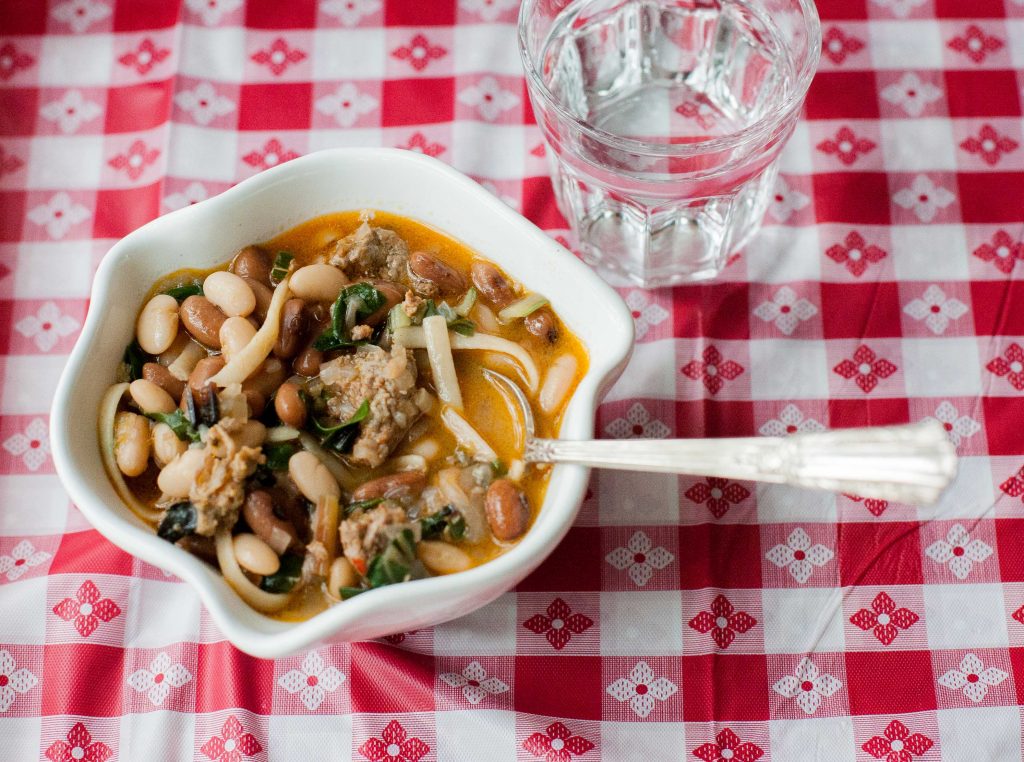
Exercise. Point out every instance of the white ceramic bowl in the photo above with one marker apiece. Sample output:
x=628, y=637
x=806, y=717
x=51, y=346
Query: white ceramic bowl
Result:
x=209, y=233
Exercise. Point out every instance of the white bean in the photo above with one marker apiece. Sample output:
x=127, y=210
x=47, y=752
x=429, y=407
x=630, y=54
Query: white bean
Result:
x=557, y=382
x=235, y=334
x=317, y=283
x=166, y=445
x=131, y=443
x=157, y=326
x=230, y=293
x=175, y=480
x=252, y=434
x=151, y=398
x=442, y=558
x=342, y=574
x=312, y=477
x=255, y=555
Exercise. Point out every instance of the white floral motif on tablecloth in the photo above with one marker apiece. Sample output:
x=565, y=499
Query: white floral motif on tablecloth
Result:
x=972, y=678
x=798, y=556
x=212, y=11
x=808, y=685
x=637, y=422
x=912, y=94
x=193, y=193
x=346, y=104
x=70, y=112
x=641, y=689
x=474, y=682
x=80, y=14
x=32, y=445
x=924, y=198
x=488, y=10
x=157, y=681
x=22, y=557
x=786, y=200
x=13, y=681
x=48, y=326
x=313, y=680
x=958, y=551
x=791, y=420
x=489, y=98
x=349, y=12
x=59, y=214
x=646, y=312
x=901, y=8
x=786, y=310
x=640, y=558
x=936, y=309
x=958, y=427
x=204, y=103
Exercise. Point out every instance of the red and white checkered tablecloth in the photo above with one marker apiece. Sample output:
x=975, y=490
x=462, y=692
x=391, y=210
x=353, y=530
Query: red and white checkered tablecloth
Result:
x=682, y=618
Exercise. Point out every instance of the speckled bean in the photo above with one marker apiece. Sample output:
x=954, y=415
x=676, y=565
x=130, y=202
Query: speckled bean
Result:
x=252, y=262
x=507, y=510
x=202, y=319
x=289, y=405
x=444, y=276
x=159, y=375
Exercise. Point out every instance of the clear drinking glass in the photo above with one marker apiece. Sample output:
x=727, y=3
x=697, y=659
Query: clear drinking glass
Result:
x=664, y=120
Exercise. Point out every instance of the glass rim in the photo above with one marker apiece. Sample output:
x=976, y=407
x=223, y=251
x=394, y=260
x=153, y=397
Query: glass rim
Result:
x=767, y=124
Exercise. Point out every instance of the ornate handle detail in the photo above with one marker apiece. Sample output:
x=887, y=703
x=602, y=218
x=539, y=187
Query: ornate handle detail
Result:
x=905, y=464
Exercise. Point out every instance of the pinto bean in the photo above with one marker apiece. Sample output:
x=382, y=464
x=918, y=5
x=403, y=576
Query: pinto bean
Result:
x=317, y=283
x=442, y=557
x=202, y=319
x=392, y=485
x=542, y=324
x=157, y=326
x=166, y=445
x=256, y=401
x=490, y=282
x=294, y=323
x=131, y=443
x=159, y=375
x=429, y=267
x=235, y=333
x=258, y=511
x=270, y=375
x=230, y=293
x=307, y=362
x=200, y=376
x=289, y=405
x=255, y=555
x=393, y=294
x=312, y=477
x=263, y=296
x=507, y=510
x=252, y=262
x=175, y=479
x=149, y=397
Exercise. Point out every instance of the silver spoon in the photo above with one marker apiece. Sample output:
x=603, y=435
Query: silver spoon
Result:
x=905, y=464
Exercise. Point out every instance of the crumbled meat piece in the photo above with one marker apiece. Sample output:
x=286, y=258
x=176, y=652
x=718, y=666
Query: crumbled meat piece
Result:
x=219, y=488
x=388, y=382
x=361, y=332
x=365, y=535
x=411, y=305
x=372, y=252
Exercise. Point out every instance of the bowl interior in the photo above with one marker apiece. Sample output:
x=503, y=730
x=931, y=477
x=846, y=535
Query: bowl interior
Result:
x=209, y=233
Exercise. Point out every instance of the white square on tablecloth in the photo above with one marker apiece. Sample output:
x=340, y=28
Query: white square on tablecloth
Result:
x=822, y=739
x=72, y=162
x=1014, y=40
x=20, y=737
x=484, y=734
x=937, y=367
x=33, y=504
x=786, y=369
x=641, y=741
x=37, y=262
x=28, y=598
x=160, y=613
x=499, y=56
x=202, y=154
x=970, y=496
x=648, y=623
x=779, y=503
x=802, y=621
x=160, y=736
x=965, y=616
x=797, y=156
x=213, y=54
x=980, y=733
x=911, y=145
x=651, y=373
x=29, y=383
x=488, y=151
x=76, y=60
x=490, y=631
x=309, y=738
x=783, y=254
x=929, y=252
x=349, y=53
x=905, y=44
x=636, y=499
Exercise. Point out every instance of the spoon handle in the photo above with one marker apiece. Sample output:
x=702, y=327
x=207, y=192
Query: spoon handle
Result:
x=906, y=464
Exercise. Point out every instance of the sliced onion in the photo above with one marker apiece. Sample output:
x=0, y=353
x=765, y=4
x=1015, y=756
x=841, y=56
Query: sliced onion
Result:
x=467, y=436
x=335, y=466
x=108, y=410
x=557, y=383
x=186, y=362
x=246, y=361
x=520, y=308
x=473, y=513
x=442, y=364
x=463, y=307
x=282, y=434
x=413, y=338
x=325, y=531
x=261, y=600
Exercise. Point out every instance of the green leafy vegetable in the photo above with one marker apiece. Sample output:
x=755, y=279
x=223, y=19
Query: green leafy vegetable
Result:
x=278, y=454
x=179, y=520
x=285, y=578
x=455, y=321
x=340, y=437
x=179, y=424
x=362, y=505
x=282, y=263
x=183, y=292
x=367, y=300
x=463, y=325
x=397, y=563
x=134, y=358
x=350, y=592
x=435, y=524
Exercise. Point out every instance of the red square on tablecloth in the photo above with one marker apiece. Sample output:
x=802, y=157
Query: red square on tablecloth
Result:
x=226, y=678
x=716, y=311
x=714, y=418
x=993, y=197
x=860, y=310
x=1017, y=665
x=431, y=13
x=720, y=556
x=845, y=414
x=1008, y=534
x=559, y=686
x=143, y=15
x=119, y=212
x=1003, y=416
x=273, y=14
x=860, y=198
x=830, y=10
x=725, y=687
x=958, y=9
x=887, y=683
x=12, y=214
x=24, y=17
x=279, y=106
x=18, y=108
x=842, y=95
x=139, y=107
x=63, y=668
x=879, y=554
x=90, y=553
x=982, y=93
x=417, y=101
x=578, y=558
x=997, y=307
x=386, y=679
x=539, y=204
